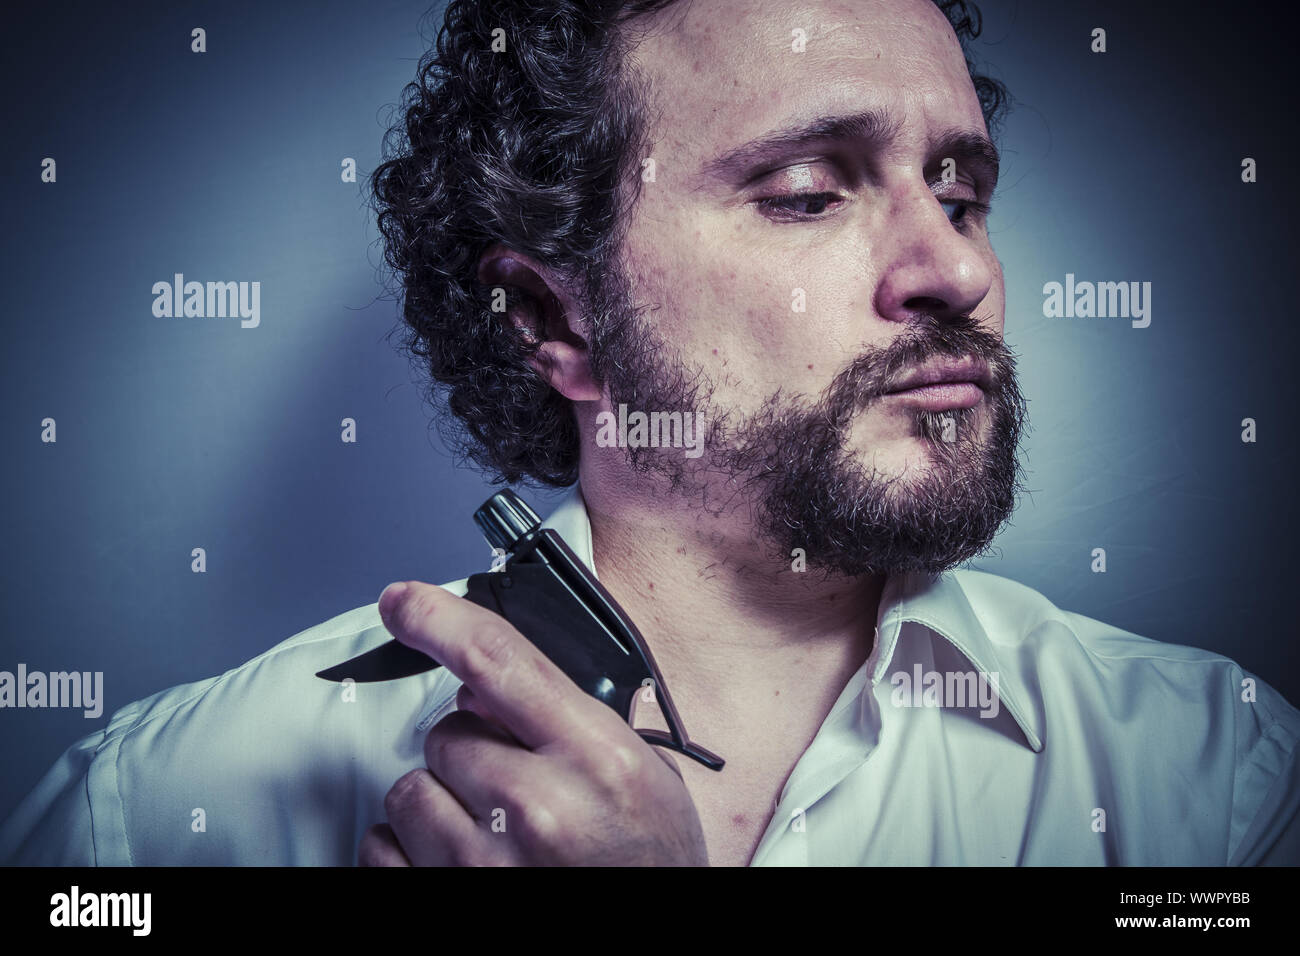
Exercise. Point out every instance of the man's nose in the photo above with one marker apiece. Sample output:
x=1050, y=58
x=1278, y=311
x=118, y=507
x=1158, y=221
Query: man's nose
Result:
x=932, y=268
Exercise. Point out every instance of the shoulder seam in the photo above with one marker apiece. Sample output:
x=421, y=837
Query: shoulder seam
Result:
x=1205, y=656
x=117, y=786
x=90, y=806
x=1215, y=657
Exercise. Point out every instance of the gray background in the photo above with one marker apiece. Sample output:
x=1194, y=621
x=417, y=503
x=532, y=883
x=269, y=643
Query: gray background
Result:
x=174, y=434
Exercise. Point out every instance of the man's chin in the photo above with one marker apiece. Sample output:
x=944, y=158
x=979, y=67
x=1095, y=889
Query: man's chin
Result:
x=912, y=459
x=904, y=461
x=917, y=510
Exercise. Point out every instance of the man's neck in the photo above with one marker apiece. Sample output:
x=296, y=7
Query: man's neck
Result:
x=732, y=628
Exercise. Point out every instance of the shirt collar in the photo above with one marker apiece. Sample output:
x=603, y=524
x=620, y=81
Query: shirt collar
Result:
x=935, y=601
x=939, y=603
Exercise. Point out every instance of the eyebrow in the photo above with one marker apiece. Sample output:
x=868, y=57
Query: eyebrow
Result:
x=967, y=146
x=970, y=148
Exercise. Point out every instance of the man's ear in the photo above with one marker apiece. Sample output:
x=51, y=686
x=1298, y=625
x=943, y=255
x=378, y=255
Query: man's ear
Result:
x=544, y=309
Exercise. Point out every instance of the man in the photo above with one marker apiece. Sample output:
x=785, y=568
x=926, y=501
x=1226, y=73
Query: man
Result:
x=770, y=222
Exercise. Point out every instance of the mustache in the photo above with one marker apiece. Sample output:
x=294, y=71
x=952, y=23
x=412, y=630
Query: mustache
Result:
x=874, y=373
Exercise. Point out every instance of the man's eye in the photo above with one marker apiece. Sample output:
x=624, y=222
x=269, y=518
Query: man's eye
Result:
x=801, y=205
x=962, y=212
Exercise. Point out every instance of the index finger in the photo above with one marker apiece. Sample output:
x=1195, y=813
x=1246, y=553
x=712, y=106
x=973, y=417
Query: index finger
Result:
x=529, y=694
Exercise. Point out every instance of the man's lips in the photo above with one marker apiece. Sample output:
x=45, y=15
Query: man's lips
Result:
x=941, y=385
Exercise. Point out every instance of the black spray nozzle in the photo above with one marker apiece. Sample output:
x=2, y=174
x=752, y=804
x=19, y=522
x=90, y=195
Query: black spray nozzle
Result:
x=504, y=519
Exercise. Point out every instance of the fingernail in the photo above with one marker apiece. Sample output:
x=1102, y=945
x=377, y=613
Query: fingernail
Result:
x=389, y=599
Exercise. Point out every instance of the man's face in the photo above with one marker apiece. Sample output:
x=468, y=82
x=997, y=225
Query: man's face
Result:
x=813, y=241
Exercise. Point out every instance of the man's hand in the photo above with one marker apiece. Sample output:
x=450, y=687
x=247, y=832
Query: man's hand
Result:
x=530, y=769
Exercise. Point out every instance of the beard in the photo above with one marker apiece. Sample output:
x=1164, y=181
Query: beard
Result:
x=790, y=460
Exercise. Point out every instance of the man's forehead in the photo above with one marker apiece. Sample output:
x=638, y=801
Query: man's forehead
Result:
x=723, y=71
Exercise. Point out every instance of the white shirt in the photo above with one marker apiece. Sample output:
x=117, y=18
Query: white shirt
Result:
x=1103, y=748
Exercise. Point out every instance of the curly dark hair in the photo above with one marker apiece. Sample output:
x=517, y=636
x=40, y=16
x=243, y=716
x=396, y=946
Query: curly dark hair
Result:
x=535, y=147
